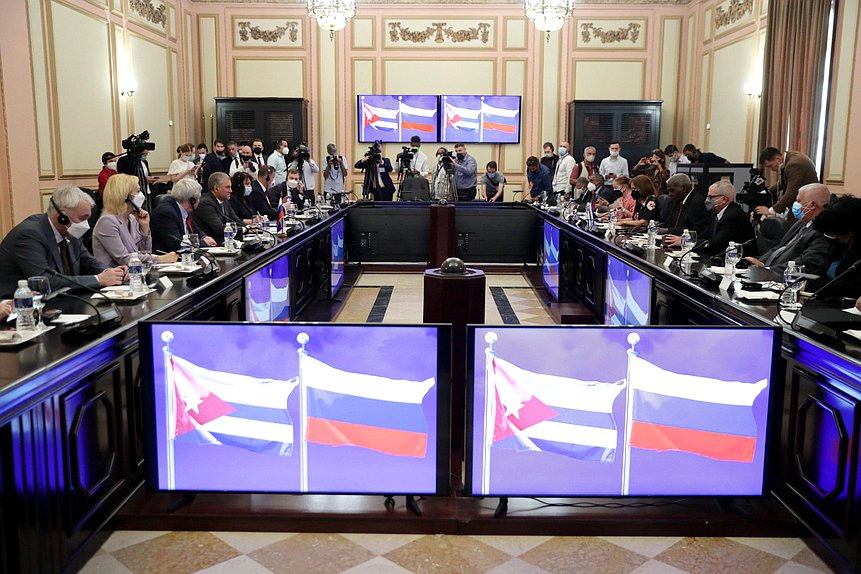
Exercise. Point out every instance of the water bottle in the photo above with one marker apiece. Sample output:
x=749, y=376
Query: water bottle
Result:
x=24, y=307
x=291, y=209
x=686, y=240
x=730, y=259
x=652, y=234
x=187, y=255
x=136, y=281
x=229, y=234
x=305, y=205
x=790, y=295
x=611, y=220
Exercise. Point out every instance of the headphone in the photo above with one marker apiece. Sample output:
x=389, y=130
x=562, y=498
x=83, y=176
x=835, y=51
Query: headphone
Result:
x=192, y=201
x=62, y=218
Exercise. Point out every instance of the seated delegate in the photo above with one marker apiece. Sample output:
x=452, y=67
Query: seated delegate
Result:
x=172, y=217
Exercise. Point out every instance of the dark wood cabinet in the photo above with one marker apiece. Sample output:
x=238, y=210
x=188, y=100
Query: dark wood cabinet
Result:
x=587, y=270
x=635, y=124
x=244, y=119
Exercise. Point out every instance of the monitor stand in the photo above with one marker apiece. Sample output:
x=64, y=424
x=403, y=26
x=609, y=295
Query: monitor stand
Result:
x=412, y=504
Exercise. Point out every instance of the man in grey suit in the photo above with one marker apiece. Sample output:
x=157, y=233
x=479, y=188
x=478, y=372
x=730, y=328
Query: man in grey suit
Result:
x=52, y=241
x=802, y=243
x=214, y=209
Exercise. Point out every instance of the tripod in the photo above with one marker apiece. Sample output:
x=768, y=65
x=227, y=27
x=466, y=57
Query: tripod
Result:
x=371, y=185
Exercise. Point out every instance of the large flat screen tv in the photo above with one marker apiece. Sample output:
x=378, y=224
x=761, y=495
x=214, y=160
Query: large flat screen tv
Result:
x=235, y=407
x=480, y=119
x=628, y=297
x=571, y=411
x=396, y=119
x=338, y=255
x=550, y=260
x=267, y=292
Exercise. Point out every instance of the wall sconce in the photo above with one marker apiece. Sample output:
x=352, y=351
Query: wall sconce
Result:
x=753, y=89
x=128, y=87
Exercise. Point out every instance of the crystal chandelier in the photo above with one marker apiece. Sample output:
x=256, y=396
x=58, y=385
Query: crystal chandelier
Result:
x=332, y=15
x=548, y=15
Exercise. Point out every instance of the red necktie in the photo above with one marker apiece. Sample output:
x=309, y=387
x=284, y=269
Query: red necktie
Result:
x=188, y=224
x=679, y=216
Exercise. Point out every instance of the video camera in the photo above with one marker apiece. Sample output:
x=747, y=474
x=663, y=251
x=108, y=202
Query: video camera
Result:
x=333, y=161
x=136, y=144
x=405, y=158
x=302, y=152
x=375, y=152
x=754, y=193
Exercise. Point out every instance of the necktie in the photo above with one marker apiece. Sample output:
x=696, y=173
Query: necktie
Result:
x=780, y=250
x=64, y=257
x=679, y=214
x=188, y=224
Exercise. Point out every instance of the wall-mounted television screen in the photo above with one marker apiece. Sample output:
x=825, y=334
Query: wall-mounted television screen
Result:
x=628, y=297
x=267, y=292
x=338, y=255
x=550, y=260
x=396, y=119
x=235, y=407
x=480, y=119
x=658, y=421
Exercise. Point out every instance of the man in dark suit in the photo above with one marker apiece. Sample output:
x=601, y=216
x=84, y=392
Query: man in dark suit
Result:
x=803, y=243
x=794, y=170
x=52, y=240
x=215, y=161
x=172, y=217
x=378, y=183
x=687, y=210
x=214, y=210
x=260, y=199
x=727, y=221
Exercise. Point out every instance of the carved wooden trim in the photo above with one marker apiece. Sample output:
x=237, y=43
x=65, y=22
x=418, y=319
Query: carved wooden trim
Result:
x=439, y=32
x=146, y=10
x=737, y=10
x=247, y=32
x=631, y=32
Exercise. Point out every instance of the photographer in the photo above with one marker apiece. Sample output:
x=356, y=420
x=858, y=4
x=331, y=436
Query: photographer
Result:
x=134, y=162
x=333, y=174
x=244, y=162
x=412, y=159
x=307, y=169
x=377, y=183
x=465, y=170
x=442, y=182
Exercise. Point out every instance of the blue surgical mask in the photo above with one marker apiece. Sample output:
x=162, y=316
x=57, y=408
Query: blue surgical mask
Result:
x=797, y=210
x=188, y=157
x=247, y=190
x=562, y=150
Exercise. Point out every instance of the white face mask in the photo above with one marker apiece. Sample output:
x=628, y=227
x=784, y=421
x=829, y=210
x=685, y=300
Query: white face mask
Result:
x=590, y=186
x=77, y=230
x=590, y=158
x=138, y=200
x=247, y=190
x=292, y=183
x=203, y=155
x=285, y=150
x=112, y=165
x=614, y=154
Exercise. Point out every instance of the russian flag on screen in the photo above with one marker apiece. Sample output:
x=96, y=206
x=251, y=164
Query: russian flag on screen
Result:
x=213, y=407
x=553, y=414
x=699, y=415
x=499, y=118
x=279, y=294
x=366, y=411
x=383, y=119
x=417, y=118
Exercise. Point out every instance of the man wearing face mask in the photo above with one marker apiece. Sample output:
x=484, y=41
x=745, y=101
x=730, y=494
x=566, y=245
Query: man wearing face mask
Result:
x=292, y=188
x=492, y=184
x=52, y=240
x=278, y=160
x=585, y=168
x=261, y=198
x=727, y=221
x=333, y=174
x=214, y=161
x=549, y=158
x=674, y=158
x=257, y=152
x=109, y=168
x=244, y=162
x=803, y=243
x=615, y=165
x=465, y=171
x=562, y=175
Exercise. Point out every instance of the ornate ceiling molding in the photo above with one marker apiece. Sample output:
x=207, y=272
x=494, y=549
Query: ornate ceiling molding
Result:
x=451, y=2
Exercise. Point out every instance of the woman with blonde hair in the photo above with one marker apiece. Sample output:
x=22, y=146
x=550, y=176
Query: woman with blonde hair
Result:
x=124, y=228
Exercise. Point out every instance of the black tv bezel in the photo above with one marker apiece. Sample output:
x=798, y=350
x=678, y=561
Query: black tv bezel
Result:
x=441, y=122
x=443, y=406
x=772, y=430
x=607, y=286
x=401, y=141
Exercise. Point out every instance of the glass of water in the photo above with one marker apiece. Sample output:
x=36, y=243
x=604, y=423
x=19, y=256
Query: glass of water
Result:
x=146, y=258
x=40, y=286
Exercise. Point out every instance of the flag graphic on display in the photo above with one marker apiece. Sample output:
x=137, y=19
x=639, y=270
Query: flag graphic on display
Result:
x=635, y=314
x=367, y=411
x=551, y=261
x=462, y=118
x=379, y=118
x=416, y=118
x=616, y=300
x=547, y=413
x=687, y=413
x=213, y=407
x=499, y=119
x=259, y=304
x=279, y=290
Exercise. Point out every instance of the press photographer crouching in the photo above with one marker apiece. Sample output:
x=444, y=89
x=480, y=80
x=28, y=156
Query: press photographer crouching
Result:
x=377, y=184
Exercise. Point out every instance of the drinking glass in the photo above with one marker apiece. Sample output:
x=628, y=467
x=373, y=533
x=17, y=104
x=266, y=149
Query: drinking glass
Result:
x=40, y=286
x=146, y=258
x=194, y=239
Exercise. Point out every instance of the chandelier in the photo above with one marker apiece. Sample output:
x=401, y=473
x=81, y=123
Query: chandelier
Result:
x=332, y=15
x=548, y=15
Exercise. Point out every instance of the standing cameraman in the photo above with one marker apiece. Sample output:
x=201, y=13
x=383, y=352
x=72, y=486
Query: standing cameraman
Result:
x=465, y=170
x=134, y=162
x=307, y=169
x=378, y=182
x=333, y=174
x=442, y=183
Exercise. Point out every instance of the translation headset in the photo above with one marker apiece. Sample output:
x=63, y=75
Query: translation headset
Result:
x=192, y=201
x=62, y=218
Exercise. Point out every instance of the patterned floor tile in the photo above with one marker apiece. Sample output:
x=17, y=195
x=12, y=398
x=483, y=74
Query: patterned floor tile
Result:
x=809, y=558
x=123, y=538
x=378, y=565
x=649, y=546
x=783, y=547
x=358, y=305
x=517, y=566
x=447, y=555
x=104, y=564
x=796, y=568
x=312, y=554
x=175, y=553
x=246, y=542
x=586, y=555
x=709, y=555
x=381, y=543
x=655, y=567
x=513, y=545
x=238, y=565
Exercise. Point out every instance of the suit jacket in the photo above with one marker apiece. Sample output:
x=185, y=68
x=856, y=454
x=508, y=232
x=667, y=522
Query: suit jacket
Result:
x=694, y=215
x=241, y=205
x=30, y=248
x=802, y=244
x=114, y=240
x=798, y=170
x=276, y=192
x=262, y=203
x=734, y=225
x=211, y=164
x=849, y=285
x=167, y=226
x=211, y=217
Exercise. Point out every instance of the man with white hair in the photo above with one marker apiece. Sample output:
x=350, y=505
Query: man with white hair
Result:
x=51, y=241
x=727, y=221
x=802, y=243
x=172, y=217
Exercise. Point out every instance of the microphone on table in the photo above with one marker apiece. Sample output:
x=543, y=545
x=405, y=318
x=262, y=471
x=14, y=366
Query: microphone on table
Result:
x=104, y=318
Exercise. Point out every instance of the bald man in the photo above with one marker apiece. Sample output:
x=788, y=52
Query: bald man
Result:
x=802, y=243
x=562, y=173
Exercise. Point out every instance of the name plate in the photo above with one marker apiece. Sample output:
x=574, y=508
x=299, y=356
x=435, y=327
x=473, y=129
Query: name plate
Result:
x=165, y=282
x=727, y=284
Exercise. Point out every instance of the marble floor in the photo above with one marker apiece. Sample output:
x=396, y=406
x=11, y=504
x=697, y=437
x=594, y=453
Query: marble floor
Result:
x=397, y=298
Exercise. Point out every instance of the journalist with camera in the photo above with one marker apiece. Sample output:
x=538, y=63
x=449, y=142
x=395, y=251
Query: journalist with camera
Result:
x=412, y=160
x=377, y=184
x=134, y=162
x=333, y=175
x=307, y=169
x=465, y=170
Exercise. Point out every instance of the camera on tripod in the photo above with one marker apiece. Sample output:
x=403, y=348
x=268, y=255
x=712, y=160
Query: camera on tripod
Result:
x=375, y=152
x=136, y=144
x=302, y=152
x=754, y=193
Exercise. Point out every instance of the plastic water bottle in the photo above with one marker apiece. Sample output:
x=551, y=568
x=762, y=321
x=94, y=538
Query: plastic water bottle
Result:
x=730, y=259
x=24, y=307
x=187, y=255
x=229, y=234
x=652, y=234
x=686, y=240
x=291, y=209
x=136, y=281
x=611, y=220
x=790, y=294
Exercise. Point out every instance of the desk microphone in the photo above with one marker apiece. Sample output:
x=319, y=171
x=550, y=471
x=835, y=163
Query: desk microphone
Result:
x=109, y=318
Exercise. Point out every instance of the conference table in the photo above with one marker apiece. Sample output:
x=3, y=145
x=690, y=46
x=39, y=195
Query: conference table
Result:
x=72, y=451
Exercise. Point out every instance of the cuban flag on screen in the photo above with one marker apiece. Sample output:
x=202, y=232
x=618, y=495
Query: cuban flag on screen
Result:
x=461, y=118
x=382, y=119
x=417, y=118
x=212, y=407
x=616, y=300
x=366, y=411
x=635, y=314
x=687, y=413
x=553, y=414
x=551, y=259
x=259, y=300
x=497, y=118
